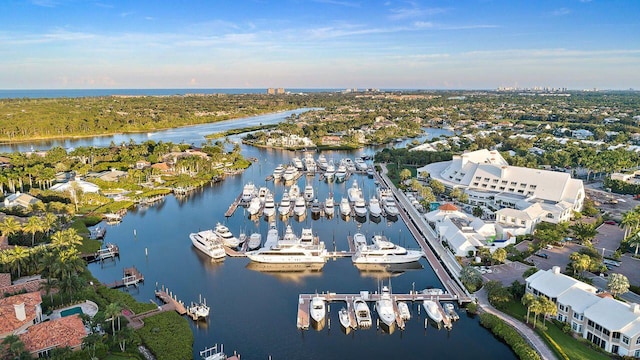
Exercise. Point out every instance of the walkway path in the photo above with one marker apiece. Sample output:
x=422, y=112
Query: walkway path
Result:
x=527, y=333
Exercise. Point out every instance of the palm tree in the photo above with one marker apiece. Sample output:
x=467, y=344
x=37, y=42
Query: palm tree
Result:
x=49, y=222
x=65, y=239
x=635, y=241
x=537, y=308
x=113, y=310
x=630, y=221
x=33, y=226
x=584, y=232
x=10, y=226
x=527, y=300
x=548, y=308
x=18, y=257
x=14, y=346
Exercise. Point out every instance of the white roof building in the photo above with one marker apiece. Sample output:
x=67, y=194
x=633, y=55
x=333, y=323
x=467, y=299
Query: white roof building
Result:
x=85, y=186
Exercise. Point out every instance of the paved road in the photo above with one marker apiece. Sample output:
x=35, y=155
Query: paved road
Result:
x=527, y=333
x=601, y=283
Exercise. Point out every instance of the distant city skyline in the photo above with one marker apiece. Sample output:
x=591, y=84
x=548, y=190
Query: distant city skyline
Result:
x=440, y=44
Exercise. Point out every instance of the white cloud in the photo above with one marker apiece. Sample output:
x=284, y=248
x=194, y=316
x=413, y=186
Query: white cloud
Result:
x=414, y=11
x=560, y=12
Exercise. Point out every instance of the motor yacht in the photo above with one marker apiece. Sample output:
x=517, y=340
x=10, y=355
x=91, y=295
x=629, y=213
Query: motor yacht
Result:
x=297, y=163
x=361, y=165
x=360, y=207
x=249, y=192
x=330, y=172
x=209, y=243
x=329, y=206
x=349, y=165
x=318, y=310
x=269, y=206
x=226, y=236
x=345, y=319
x=403, y=309
x=354, y=192
x=254, y=241
x=300, y=207
x=308, y=193
x=277, y=172
x=374, y=207
x=272, y=236
x=384, y=308
x=306, y=237
x=254, y=206
x=289, y=251
x=322, y=162
x=363, y=314
x=262, y=194
x=345, y=208
x=294, y=192
x=315, y=207
x=341, y=173
x=359, y=240
x=290, y=173
x=309, y=163
x=285, y=205
x=382, y=251
x=388, y=202
x=431, y=307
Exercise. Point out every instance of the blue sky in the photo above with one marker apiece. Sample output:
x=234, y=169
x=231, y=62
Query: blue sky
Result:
x=439, y=44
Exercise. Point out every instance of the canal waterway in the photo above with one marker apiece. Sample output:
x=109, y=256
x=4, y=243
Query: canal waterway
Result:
x=254, y=312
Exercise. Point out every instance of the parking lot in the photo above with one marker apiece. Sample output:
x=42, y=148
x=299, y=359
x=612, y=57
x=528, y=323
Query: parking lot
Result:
x=507, y=273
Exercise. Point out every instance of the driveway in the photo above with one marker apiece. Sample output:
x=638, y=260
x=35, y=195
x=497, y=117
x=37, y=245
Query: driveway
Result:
x=608, y=238
x=507, y=273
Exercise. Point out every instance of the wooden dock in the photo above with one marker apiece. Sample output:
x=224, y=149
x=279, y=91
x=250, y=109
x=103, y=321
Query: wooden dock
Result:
x=171, y=300
x=233, y=206
x=303, y=317
x=131, y=276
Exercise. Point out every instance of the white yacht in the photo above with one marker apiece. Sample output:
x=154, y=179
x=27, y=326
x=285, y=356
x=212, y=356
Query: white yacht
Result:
x=290, y=173
x=363, y=314
x=384, y=307
x=254, y=241
x=297, y=163
x=359, y=240
x=322, y=162
x=262, y=194
x=277, y=172
x=432, y=310
x=345, y=208
x=226, y=236
x=308, y=193
x=300, y=207
x=341, y=173
x=289, y=252
x=285, y=205
x=360, y=207
x=345, y=319
x=272, y=236
x=315, y=207
x=269, y=206
x=249, y=192
x=355, y=192
x=374, y=207
x=207, y=242
x=310, y=163
x=349, y=165
x=294, y=192
x=254, y=206
x=384, y=252
x=388, y=202
x=318, y=310
x=361, y=165
x=329, y=206
x=306, y=237
x=330, y=172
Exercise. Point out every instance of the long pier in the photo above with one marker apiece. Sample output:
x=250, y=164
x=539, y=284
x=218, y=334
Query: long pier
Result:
x=304, y=300
x=444, y=269
x=171, y=300
x=233, y=206
x=131, y=276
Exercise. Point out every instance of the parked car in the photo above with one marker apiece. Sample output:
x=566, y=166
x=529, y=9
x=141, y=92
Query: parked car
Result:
x=542, y=255
x=611, y=222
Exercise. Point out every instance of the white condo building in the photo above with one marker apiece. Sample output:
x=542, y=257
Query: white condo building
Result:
x=521, y=197
x=608, y=323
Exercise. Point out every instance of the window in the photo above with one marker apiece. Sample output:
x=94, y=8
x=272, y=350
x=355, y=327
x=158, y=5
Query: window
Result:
x=501, y=187
x=475, y=184
x=638, y=341
x=625, y=340
x=561, y=307
x=486, y=179
x=523, y=222
x=514, y=183
x=504, y=182
x=590, y=323
x=532, y=186
x=493, y=186
x=523, y=185
x=549, y=215
x=512, y=189
x=478, y=177
x=495, y=181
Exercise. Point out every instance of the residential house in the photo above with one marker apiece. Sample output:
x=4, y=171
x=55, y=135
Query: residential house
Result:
x=40, y=339
x=18, y=199
x=142, y=164
x=610, y=324
x=84, y=186
x=19, y=312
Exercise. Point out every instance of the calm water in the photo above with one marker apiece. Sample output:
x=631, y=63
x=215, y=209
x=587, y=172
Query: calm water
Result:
x=73, y=93
x=254, y=312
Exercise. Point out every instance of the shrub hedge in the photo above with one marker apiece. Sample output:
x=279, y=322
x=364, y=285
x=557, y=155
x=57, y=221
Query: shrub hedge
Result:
x=167, y=336
x=510, y=336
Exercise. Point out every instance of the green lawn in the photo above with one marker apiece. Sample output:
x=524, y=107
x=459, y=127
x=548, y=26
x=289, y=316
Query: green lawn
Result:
x=573, y=348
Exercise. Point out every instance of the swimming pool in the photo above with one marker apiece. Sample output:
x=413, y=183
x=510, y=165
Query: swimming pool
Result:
x=71, y=311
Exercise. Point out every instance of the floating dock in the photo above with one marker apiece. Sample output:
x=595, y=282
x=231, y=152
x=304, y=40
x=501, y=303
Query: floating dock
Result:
x=131, y=276
x=233, y=206
x=171, y=300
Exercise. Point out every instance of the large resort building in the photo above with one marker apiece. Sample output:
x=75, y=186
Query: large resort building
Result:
x=516, y=197
x=608, y=323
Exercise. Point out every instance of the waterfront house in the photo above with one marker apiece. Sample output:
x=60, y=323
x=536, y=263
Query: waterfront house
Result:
x=40, y=339
x=84, y=186
x=33, y=284
x=19, y=312
x=610, y=324
x=18, y=199
x=142, y=164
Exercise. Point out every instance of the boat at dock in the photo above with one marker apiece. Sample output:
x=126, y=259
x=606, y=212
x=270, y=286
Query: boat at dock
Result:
x=382, y=251
x=322, y=162
x=432, y=310
x=318, y=311
x=341, y=173
x=300, y=207
x=359, y=240
x=290, y=173
x=388, y=202
x=297, y=163
x=249, y=192
x=384, y=308
x=226, y=236
x=315, y=207
x=308, y=193
x=269, y=206
x=345, y=208
x=348, y=164
x=262, y=194
x=374, y=207
x=254, y=241
x=345, y=319
x=354, y=192
x=285, y=204
x=277, y=172
x=289, y=250
x=363, y=314
x=330, y=171
x=294, y=192
x=198, y=310
x=254, y=206
x=309, y=163
x=360, y=207
x=361, y=165
x=208, y=242
x=329, y=206
x=450, y=310
x=403, y=308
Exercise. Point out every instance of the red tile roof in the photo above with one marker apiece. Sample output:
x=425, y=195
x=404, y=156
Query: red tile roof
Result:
x=5, y=280
x=67, y=331
x=448, y=207
x=8, y=320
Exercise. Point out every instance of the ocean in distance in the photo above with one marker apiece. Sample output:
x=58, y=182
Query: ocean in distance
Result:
x=75, y=93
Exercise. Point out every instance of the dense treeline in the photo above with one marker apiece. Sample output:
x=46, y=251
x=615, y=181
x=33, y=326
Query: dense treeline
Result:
x=414, y=158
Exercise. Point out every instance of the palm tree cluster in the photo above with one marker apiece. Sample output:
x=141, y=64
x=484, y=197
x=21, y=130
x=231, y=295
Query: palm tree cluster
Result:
x=538, y=305
x=631, y=224
x=34, y=225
